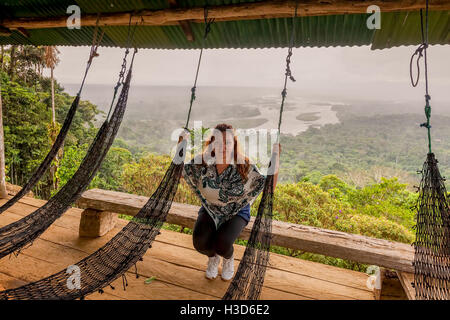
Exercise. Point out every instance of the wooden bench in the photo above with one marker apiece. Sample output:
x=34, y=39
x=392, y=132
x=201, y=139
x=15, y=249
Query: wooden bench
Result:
x=101, y=206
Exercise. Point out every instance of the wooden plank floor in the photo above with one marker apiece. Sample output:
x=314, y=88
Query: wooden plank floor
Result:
x=178, y=268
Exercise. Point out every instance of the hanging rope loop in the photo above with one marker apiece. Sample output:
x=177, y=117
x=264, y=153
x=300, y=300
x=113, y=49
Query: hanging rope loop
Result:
x=420, y=52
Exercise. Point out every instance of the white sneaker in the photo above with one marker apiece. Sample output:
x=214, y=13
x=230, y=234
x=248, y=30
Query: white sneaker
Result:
x=228, y=268
x=213, y=267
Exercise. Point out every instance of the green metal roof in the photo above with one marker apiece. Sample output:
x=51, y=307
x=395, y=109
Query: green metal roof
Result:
x=397, y=28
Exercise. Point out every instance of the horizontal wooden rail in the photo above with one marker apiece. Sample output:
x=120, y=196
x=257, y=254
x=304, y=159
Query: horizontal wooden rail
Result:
x=242, y=11
x=383, y=253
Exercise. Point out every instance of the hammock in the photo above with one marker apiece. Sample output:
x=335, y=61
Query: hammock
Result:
x=45, y=165
x=24, y=231
x=249, y=278
x=112, y=260
x=432, y=244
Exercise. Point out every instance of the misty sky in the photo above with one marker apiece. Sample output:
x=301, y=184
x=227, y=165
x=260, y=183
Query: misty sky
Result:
x=340, y=72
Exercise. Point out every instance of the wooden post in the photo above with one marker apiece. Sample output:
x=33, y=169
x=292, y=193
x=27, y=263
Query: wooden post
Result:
x=3, y=192
x=95, y=223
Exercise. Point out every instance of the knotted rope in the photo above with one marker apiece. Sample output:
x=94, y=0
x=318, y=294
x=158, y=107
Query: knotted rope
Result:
x=96, y=40
x=120, y=81
x=420, y=52
x=288, y=73
x=208, y=23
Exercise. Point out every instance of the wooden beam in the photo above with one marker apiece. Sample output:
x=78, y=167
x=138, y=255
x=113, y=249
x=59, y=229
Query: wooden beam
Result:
x=23, y=32
x=242, y=11
x=383, y=253
x=185, y=25
x=4, y=32
x=407, y=280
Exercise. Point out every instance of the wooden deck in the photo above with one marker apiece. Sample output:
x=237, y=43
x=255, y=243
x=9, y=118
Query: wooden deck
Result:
x=178, y=268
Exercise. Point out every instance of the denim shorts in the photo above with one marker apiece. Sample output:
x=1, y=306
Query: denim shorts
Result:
x=244, y=213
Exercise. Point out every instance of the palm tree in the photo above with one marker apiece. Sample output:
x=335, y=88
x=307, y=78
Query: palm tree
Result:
x=3, y=192
x=51, y=60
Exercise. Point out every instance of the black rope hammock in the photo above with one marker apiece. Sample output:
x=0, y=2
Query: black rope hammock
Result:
x=124, y=250
x=45, y=164
x=18, y=234
x=432, y=244
x=249, y=279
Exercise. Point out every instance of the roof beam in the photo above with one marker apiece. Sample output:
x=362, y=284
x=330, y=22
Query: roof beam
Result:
x=5, y=32
x=243, y=11
x=185, y=25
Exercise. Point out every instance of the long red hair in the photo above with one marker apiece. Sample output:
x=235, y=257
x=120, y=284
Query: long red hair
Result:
x=242, y=168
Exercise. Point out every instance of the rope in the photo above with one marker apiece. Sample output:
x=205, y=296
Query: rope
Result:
x=208, y=24
x=120, y=81
x=288, y=73
x=95, y=43
x=420, y=52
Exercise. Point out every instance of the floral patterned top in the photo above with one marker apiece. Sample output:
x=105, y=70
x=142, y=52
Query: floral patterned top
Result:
x=223, y=195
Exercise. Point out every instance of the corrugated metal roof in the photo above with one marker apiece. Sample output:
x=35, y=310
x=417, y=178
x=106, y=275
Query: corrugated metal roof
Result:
x=403, y=28
x=399, y=28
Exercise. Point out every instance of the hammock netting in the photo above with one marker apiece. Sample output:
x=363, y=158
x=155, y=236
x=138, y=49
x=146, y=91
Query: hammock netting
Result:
x=248, y=281
x=112, y=260
x=432, y=245
x=17, y=235
x=45, y=165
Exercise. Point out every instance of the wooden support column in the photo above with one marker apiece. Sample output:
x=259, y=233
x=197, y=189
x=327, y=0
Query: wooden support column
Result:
x=95, y=223
x=3, y=192
x=407, y=281
x=379, y=283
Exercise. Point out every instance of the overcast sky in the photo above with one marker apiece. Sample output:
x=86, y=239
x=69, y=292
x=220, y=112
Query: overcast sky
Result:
x=355, y=71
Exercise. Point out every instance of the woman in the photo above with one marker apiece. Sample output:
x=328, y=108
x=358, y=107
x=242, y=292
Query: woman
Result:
x=227, y=184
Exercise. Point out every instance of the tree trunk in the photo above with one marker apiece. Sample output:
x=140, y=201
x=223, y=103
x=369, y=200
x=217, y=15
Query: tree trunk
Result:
x=1, y=58
x=53, y=96
x=12, y=62
x=3, y=192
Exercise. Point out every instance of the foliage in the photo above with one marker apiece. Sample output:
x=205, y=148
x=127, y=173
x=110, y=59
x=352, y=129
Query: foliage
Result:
x=28, y=128
x=24, y=123
x=109, y=176
x=142, y=177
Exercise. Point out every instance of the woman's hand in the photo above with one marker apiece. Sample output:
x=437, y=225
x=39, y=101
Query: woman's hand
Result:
x=277, y=148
